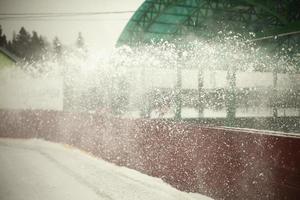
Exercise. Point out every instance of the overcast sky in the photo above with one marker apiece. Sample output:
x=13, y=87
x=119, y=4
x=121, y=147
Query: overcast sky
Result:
x=99, y=31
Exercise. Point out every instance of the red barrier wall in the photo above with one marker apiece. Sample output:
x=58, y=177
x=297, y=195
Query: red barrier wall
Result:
x=218, y=162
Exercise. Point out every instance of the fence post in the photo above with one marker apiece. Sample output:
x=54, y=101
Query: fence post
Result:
x=231, y=97
x=274, y=96
x=200, y=93
x=178, y=92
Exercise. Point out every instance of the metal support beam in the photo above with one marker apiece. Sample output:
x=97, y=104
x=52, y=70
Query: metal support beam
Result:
x=178, y=92
x=200, y=93
x=144, y=104
x=231, y=97
x=274, y=96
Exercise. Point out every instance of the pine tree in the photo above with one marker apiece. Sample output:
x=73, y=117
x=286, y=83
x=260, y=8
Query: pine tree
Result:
x=22, y=44
x=43, y=43
x=35, y=47
x=80, y=41
x=9, y=46
x=26, y=46
x=12, y=45
x=57, y=47
x=3, y=41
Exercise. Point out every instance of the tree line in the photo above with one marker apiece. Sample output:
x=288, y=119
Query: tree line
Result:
x=31, y=47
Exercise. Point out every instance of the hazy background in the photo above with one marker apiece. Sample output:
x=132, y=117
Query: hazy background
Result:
x=99, y=31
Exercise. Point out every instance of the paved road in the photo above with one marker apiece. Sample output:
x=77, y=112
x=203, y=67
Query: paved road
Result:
x=35, y=170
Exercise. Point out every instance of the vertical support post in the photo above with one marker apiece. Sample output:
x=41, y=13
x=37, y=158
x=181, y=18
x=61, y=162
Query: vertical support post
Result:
x=145, y=110
x=68, y=88
x=274, y=96
x=178, y=92
x=65, y=92
x=200, y=93
x=231, y=97
x=111, y=95
x=297, y=101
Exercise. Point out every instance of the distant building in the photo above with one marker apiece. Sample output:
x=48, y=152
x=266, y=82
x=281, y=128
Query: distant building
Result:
x=6, y=58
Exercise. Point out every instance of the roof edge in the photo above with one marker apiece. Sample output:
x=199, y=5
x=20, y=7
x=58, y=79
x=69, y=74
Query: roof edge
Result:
x=13, y=57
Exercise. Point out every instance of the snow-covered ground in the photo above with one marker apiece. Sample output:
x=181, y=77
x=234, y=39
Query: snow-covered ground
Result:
x=36, y=169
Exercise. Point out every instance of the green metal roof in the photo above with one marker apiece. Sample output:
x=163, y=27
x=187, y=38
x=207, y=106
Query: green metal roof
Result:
x=6, y=58
x=169, y=19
